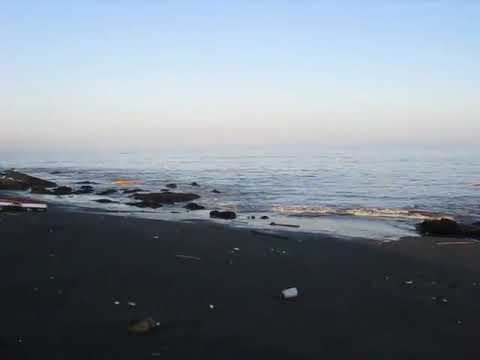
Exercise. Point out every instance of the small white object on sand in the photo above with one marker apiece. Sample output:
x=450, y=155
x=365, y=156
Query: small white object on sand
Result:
x=290, y=293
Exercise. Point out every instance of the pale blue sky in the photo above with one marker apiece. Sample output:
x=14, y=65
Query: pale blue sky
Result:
x=153, y=74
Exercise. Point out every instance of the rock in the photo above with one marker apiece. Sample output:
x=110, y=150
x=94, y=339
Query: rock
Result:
x=86, y=182
x=153, y=199
x=84, y=189
x=131, y=191
x=442, y=227
x=194, y=184
x=264, y=217
x=171, y=186
x=41, y=190
x=28, y=180
x=215, y=191
x=227, y=215
x=104, y=201
x=10, y=184
x=194, y=206
x=107, y=192
x=142, y=204
x=62, y=190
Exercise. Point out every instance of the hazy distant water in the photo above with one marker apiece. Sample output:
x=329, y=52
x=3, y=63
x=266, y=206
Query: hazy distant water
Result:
x=374, y=192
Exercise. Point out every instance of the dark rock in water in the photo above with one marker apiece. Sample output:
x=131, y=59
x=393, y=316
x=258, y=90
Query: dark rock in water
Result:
x=194, y=184
x=28, y=180
x=86, y=183
x=131, y=191
x=215, y=191
x=171, y=186
x=85, y=189
x=227, y=215
x=442, y=227
x=264, y=217
x=104, y=201
x=41, y=190
x=142, y=204
x=194, y=206
x=62, y=190
x=107, y=192
x=10, y=184
x=153, y=199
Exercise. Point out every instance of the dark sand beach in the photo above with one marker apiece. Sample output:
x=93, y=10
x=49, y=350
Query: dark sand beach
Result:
x=67, y=279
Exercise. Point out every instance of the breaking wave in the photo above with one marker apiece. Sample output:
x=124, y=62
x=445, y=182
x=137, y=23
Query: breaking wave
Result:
x=315, y=211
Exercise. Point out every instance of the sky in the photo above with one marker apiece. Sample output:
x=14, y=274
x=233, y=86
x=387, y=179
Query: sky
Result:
x=153, y=74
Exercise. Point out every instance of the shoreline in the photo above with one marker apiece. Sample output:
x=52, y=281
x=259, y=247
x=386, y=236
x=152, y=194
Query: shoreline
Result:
x=373, y=300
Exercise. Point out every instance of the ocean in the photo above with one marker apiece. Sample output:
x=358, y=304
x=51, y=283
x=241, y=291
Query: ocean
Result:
x=365, y=192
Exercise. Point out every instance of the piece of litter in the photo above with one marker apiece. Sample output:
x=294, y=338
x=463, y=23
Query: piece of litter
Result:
x=187, y=257
x=142, y=326
x=155, y=237
x=459, y=322
x=116, y=302
x=131, y=303
x=408, y=282
x=211, y=306
x=236, y=249
x=289, y=293
x=52, y=277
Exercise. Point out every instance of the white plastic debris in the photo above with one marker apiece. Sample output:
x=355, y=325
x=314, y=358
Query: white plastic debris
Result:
x=290, y=293
x=211, y=307
x=116, y=302
x=409, y=282
x=236, y=249
x=155, y=237
x=131, y=303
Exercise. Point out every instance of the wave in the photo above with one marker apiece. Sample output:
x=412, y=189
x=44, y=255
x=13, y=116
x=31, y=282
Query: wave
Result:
x=316, y=211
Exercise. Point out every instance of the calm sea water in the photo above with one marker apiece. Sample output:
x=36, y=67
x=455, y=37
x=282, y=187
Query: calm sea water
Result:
x=374, y=192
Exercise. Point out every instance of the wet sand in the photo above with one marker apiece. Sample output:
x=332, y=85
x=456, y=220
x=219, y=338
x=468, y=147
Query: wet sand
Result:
x=61, y=274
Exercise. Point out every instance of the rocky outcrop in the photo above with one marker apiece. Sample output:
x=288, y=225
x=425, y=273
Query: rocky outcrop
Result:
x=194, y=184
x=10, y=184
x=171, y=186
x=155, y=199
x=447, y=227
x=264, y=217
x=215, y=191
x=226, y=215
x=443, y=227
x=28, y=180
x=194, y=206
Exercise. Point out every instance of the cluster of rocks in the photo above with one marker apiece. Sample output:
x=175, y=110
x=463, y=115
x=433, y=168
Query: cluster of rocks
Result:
x=448, y=227
x=14, y=180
